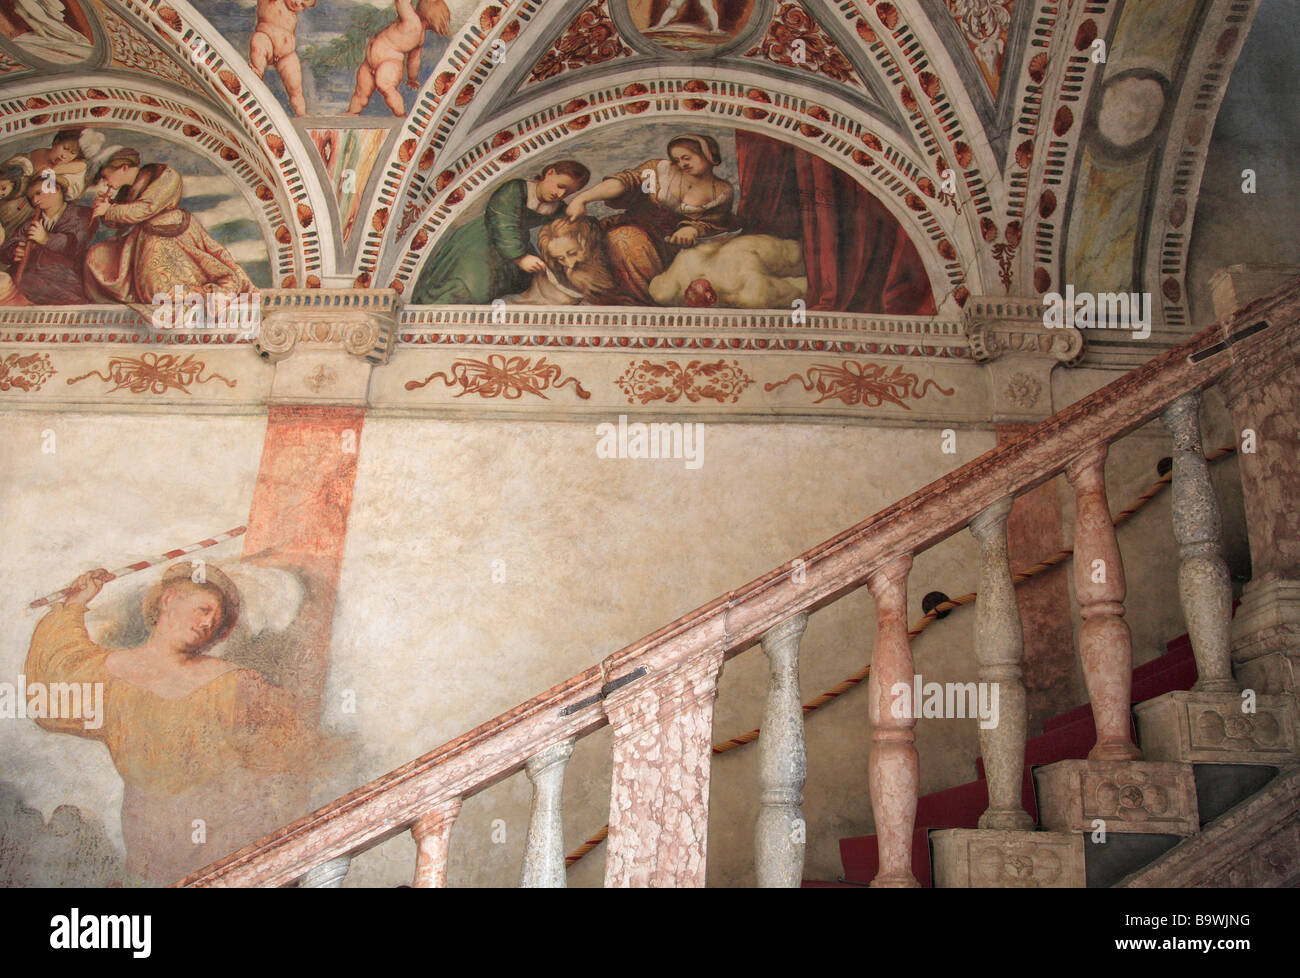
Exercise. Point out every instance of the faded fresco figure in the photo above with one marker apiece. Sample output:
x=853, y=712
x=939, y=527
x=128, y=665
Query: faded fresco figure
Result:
x=690, y=25
x=45, y=255
x=159, y=244
x=491, y=256
x=275, y=42
x=211, y=754
x=395, y=47
x=672, y=10
x=56, y=30
x=14, y=208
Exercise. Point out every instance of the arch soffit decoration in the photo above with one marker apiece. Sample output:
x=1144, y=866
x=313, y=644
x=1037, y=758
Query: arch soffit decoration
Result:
x=1166, y=231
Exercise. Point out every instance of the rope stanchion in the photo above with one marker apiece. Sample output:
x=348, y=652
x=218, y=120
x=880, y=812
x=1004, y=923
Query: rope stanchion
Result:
x=1042, y=567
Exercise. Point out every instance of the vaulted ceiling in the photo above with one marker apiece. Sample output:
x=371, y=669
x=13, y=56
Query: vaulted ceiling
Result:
x=1072, y=132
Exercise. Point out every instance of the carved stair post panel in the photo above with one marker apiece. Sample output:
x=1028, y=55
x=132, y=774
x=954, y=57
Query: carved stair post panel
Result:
x=1203, y=584
x=659, y=795
x=1105, y=645
x=432, y=834
x=782, y=762
x=999, y=646
x=892, y=769
x=544, y=850
x=327, y=876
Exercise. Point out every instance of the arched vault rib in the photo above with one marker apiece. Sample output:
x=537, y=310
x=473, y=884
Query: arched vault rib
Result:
x=944, y=240
x=1171, y=203
x=156, y=112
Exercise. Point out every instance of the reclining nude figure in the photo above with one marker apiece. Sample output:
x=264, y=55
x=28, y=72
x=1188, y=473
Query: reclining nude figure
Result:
x=396, y=45
x=275, y=42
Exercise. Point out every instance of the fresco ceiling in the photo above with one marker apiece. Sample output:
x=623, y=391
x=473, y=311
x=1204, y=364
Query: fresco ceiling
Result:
x=991, y=147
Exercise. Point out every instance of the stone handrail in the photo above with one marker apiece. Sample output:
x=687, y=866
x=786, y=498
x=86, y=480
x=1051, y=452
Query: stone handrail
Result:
x=681, y=660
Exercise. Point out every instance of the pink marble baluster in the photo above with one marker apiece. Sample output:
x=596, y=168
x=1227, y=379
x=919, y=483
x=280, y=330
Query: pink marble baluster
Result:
x=432, y=833
x=1105, y=645
x=892, y=769
x=662, y=755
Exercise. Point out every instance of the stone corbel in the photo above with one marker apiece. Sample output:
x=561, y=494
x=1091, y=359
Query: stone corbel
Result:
x=324, y=342
x=1008, y=336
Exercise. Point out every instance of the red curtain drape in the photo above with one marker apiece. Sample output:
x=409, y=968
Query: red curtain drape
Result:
x=858, y=257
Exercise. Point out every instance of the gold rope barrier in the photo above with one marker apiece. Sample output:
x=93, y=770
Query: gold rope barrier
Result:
x=1120, y=518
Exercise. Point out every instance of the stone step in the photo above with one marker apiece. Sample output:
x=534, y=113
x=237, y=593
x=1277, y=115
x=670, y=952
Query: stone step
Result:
x=1004, y=859
x=1211, y=728
x=1117, y=797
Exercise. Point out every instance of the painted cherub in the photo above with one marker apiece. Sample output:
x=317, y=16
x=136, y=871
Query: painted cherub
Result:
x=275, y=42
x=396, y=45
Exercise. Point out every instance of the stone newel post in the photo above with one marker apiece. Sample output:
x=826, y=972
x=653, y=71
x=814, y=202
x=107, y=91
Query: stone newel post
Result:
x=662, y=755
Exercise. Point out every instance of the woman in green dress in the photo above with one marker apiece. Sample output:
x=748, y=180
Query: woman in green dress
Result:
x=491, y=256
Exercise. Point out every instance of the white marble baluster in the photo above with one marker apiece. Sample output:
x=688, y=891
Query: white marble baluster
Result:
x=544, y=850
x=1203, y=584
x=999, y=646
x=782, y=762
x=327, y=876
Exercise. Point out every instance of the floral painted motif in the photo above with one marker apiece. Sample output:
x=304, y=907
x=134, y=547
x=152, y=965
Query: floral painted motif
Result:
x=500, y=376
x=869, y=384
x=154, y=373
x=795, y=40
x=718, y=381
x=590, y=40
x=25, y=372
x=131, y=49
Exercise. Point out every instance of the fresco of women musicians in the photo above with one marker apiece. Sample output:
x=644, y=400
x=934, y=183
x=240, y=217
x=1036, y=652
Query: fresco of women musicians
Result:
x=87, y=216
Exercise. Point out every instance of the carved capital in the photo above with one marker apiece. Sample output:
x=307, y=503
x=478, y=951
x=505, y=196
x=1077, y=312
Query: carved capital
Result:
x=358, y=322
x=1009, y=326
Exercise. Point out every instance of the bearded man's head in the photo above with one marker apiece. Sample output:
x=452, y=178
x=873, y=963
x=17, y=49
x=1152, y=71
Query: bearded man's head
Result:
x=574, y=250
